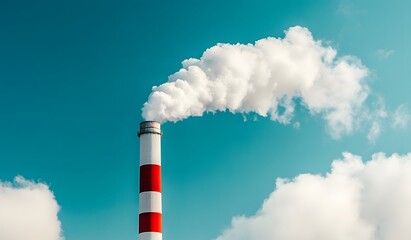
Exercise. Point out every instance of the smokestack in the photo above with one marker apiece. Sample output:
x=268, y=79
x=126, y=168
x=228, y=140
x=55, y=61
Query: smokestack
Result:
x=150, y=210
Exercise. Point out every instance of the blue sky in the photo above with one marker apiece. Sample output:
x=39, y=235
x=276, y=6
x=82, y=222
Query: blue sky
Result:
x=75, y=74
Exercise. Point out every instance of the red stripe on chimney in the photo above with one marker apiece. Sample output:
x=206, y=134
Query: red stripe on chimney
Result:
x=150, y=222
x=150, y=178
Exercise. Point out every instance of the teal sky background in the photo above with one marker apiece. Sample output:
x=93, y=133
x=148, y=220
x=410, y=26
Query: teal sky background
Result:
x=75, y=74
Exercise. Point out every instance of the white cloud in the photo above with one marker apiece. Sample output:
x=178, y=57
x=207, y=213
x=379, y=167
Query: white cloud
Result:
x=266, y=78
x=348, y=9
x=384, y=53
x=28, y=211
x=357, y=200
x=374, y=132
x=376, y=117
x=401, y=117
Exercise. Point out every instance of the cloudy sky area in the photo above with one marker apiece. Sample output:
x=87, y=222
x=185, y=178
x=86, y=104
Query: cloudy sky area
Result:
x=74, y=76
x=28, y=211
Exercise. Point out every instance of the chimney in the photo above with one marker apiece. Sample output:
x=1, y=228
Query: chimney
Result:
x=150, y=210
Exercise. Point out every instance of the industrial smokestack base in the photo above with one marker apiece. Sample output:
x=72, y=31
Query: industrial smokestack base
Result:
x=150, y=209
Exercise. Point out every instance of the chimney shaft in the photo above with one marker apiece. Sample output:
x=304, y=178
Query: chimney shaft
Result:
x=150, y=209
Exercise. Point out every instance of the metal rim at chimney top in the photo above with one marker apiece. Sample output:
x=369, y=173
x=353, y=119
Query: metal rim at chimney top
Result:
x=148, y=127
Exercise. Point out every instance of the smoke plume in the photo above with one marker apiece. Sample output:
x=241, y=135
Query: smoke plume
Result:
x=28, y=211
x=266, y=78
x=357, y=200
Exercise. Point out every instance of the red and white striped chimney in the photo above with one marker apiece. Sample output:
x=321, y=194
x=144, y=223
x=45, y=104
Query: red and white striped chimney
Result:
x=150, y=210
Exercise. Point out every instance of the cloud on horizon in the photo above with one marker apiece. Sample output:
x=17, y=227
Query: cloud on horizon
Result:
x=28, y=211
x=356, y=200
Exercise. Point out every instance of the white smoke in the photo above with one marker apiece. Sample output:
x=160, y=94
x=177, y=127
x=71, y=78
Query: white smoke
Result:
x=28, y=211
x=266, y=78
x=356, y=201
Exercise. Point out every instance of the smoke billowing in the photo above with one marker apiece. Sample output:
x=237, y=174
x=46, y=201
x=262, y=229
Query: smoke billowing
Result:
x=357, y=200
x=266, y=78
